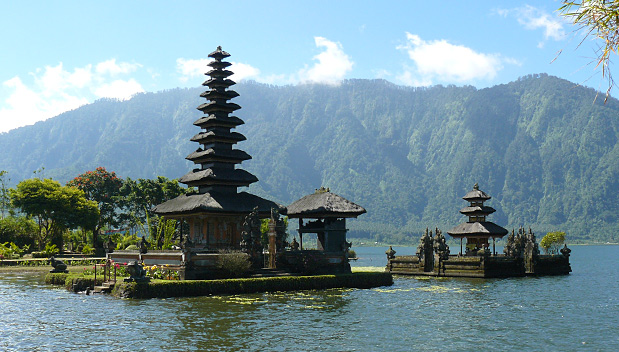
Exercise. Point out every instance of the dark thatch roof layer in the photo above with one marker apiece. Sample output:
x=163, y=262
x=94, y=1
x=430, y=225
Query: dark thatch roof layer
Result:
x=218, y=82
x=476, y=194
x=477, y=210
x=234, y=156
x=213, y=202
x=218, y=54
x=218, y=136
x=220, y=73
x=213, y=94
x=215, y=121
x=212, y=106
x=219, y=64
x=214, y=176
x=484, y=229
x=324, y=204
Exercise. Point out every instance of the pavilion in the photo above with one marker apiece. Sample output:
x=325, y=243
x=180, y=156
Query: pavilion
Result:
x=477, y=230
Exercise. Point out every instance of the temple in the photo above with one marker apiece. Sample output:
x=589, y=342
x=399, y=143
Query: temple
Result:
x=477, y=231
x=521, y=256
x=215, y=213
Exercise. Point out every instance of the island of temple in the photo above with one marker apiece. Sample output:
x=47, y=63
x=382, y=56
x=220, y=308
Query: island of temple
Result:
x=219, y=220
x=521, y=255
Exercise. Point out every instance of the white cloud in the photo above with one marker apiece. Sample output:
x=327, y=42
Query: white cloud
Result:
x=243, y=71
x=54, y=90
x=190, y=68
x=332, y=66
x=119, y=89
x=446, y=62
x=112, y=68
x=533, y=18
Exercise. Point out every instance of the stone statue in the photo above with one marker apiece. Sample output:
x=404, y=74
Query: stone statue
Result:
x=143, y=245
x=390, y=253
x=565, y=251
x=58, y=265
x=136, y=272
x=509, y=246
x=186, y=243
x=294, y=245
x=440, y=245
x=109, y=245
x=425, y=245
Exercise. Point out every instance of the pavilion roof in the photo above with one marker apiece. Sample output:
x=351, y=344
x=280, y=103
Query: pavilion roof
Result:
x=476, y=194
x=216, y=202
x=473, y=229
x=322, y=204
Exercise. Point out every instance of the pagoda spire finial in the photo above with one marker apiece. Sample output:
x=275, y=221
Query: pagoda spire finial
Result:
x=476, y=186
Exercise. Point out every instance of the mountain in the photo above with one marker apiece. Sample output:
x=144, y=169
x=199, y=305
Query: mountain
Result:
x=542, y=147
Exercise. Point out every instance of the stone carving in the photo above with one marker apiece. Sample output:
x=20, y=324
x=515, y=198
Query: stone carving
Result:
x=280, y=230
x=390, y=253
x=109, y=245
x=565, y=251
x=136, y=272
x=250, y=236
x=294, y=245
x=143, y=245
x=58, y=265
x=440, y=245
x=425, y=245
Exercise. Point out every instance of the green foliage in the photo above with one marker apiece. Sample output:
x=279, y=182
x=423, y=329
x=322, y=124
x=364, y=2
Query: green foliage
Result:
x=87, y=250
x=141, y=195
x=54, y=207
x=552, y=242
x=11, y=251
x=187, y=288
x=20, y=230
x=598, y=19
x=102, y=187
x=5, y=200
x=132, y=247
x=161, y=272
x=234, y=263
x=352, y=253
x=126, y=241
x=160, y=231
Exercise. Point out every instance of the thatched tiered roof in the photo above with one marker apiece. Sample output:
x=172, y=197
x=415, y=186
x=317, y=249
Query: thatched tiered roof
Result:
x=323, y=204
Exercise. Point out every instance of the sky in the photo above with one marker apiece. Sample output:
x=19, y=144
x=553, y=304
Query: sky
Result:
x=56, y=56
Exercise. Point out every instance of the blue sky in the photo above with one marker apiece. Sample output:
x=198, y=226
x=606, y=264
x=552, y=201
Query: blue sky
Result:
x=58, y=55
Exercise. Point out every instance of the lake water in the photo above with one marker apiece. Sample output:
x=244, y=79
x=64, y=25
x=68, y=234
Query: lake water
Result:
x=577, y=312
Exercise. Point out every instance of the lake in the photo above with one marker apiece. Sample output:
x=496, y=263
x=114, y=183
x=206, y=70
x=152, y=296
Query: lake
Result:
x=577, y=312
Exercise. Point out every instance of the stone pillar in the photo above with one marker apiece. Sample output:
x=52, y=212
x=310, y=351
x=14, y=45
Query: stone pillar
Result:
x=272, y=244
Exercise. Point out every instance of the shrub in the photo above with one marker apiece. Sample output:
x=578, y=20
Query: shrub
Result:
x=132, y=247
x=11, y=251
x=352, y=253
x=87, y=250
x=552, y=242
x=234, y=263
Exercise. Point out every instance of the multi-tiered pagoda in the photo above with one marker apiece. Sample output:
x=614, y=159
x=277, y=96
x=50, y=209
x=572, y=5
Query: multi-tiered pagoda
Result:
x=477, y=230
x=216, y=211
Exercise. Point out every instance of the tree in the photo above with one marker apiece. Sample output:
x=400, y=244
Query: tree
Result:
x=552, y=242
x=5, y=201
x=103, y=187
x=141, y=195
x=55, y=208
x=598, y=18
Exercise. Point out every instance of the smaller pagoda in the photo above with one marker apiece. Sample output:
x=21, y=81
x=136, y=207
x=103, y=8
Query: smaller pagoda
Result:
x=477, y=230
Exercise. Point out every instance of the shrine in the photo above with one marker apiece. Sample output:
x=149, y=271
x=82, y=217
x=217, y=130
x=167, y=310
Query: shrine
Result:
x=323, y=213
x=477, y=231
x=521, y=256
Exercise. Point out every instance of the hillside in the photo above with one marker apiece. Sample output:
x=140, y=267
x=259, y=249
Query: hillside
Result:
x=540, y=146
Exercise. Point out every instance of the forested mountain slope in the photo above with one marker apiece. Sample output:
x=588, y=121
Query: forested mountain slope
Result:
x=540, y=146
